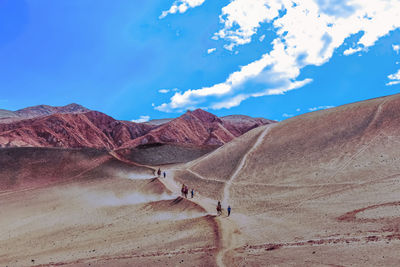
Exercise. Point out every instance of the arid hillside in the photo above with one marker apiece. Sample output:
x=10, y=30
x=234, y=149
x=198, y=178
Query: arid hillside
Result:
x=323, y=183
x=81, y=207
x=77, y=130
x=183, y=139
x=320, y=189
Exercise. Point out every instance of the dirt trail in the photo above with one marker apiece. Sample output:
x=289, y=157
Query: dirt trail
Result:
x=226, y=194
x=228, y=230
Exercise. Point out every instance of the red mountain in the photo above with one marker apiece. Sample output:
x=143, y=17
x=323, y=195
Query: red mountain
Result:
x=73, y=126
x=7, y=116
x=91, y=129
x=197, y=128
x=240, y=124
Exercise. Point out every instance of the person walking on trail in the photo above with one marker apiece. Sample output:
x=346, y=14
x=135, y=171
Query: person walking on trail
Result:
x=219, y=208
x=183, y=190
x=159, y=172
x=192, y=192
x=186, y=191
x=229, y=210
x=164, y=174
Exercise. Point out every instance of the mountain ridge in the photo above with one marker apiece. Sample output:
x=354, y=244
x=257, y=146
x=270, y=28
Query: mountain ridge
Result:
x=74, y=126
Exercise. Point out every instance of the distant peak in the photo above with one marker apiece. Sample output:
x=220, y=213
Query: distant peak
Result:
x=74, y=106
x=204, y=115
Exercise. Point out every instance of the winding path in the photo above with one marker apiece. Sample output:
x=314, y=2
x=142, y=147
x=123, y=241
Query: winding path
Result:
x=226, y=194
x=228, y=230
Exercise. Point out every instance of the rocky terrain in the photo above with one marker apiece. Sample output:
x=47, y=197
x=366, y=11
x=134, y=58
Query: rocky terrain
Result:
x=190, y=135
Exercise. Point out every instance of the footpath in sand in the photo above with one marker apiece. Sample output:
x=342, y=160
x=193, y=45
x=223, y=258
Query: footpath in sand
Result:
x=228, y=231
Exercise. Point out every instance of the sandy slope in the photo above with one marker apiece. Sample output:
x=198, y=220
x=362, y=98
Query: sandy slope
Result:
x=317, y=189
x=321, y=189
x=112, y=214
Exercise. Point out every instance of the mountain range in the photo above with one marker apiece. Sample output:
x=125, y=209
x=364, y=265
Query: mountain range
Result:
x=74, y=126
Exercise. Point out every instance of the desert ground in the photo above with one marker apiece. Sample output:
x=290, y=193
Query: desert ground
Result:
x=321, y=189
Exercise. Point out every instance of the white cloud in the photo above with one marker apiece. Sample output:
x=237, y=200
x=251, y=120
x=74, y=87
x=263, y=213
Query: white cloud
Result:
x=320, y=107
x=298, y=110
x=163, y=91
x=395, y=78
x=242, y=18
x=262, y=37
x=393, y=83
x=142, y=119
x=308, y=32
x=233, y=102
x=351, y=51
x=211, y=50
x=181, y=6
x=285, y=115
x=236, y=100
x=396, y=48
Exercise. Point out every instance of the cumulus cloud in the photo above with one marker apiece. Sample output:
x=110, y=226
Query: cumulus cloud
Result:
x=211, y=50
x=142, y=119
x=262, y=37
x=307, y=33
x=351, y=51
x=242, y=18
x=285, y=115
x=320, y=107
x=395, y=78
x=181, y=6
x=396, y=48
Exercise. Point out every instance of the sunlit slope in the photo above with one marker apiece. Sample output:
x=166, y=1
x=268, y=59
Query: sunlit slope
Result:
x=210, y=172
x=323, y=151
x=349, y=144
x=226, y=159
x=327, y=178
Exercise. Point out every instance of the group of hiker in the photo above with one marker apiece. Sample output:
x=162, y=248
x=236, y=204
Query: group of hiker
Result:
x=219, y=209
x=185, y=192
x=159, y=173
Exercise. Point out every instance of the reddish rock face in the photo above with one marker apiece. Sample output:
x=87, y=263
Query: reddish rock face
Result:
x=91, y=129
x=240, y=124
x=7, y=116
x=74, y=126
x=44, y=110
x=197, y=128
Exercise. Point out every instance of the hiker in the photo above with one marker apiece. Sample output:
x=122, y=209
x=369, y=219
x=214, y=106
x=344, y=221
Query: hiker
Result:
x=159, y=172
x=192, y=192
x=219, y=208
x=164, y=174
x=229, y=210
x=183, y=189
x=186, y=191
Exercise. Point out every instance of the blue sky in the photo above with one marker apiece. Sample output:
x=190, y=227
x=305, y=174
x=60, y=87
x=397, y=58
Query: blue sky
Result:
x=272, y=59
